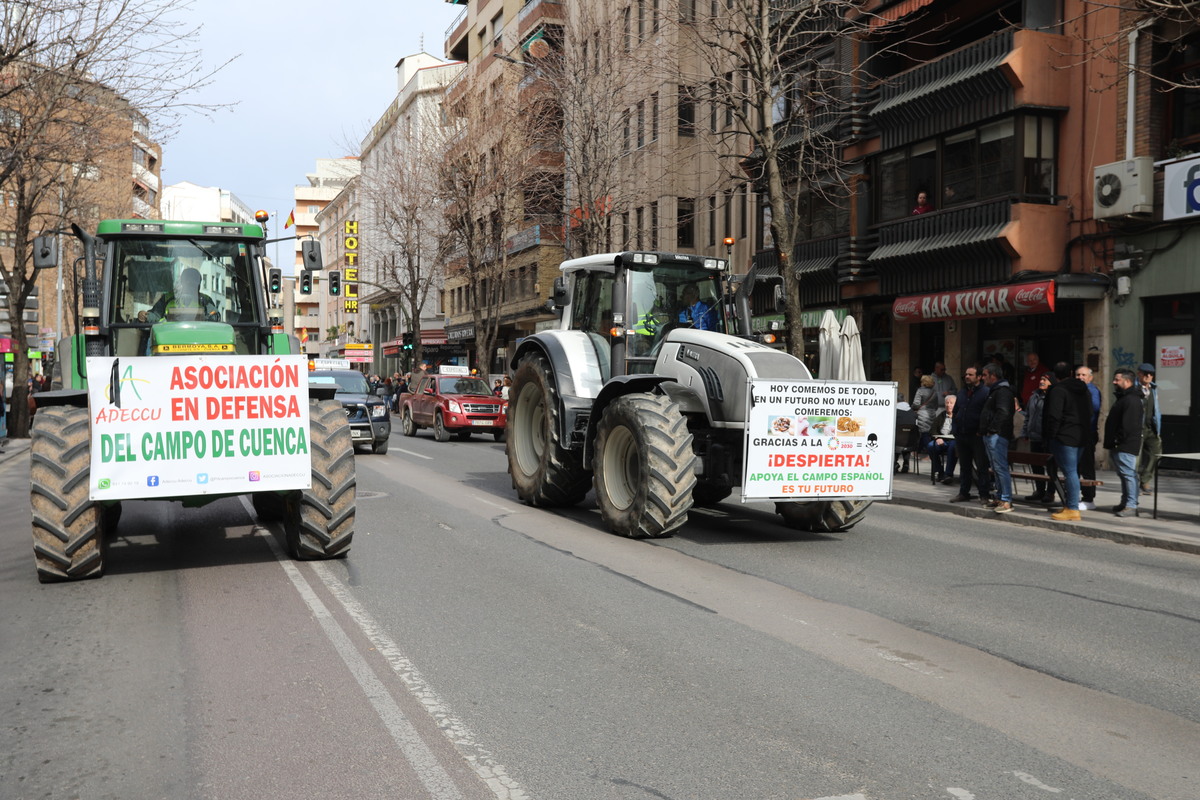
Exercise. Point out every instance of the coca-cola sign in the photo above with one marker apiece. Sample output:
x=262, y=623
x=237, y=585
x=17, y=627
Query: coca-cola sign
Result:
x=990, y=301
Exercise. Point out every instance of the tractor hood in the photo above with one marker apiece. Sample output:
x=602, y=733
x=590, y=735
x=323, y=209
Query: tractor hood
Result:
x=183, y=338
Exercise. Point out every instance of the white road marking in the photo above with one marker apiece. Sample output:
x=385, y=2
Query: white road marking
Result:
x=1032, y=781
x=490, y=772
x=844, y=797
x=960, y=794
x=432, y=775
x=411, y=453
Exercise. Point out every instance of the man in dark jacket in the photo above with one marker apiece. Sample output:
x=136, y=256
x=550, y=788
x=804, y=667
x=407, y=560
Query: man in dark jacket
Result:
x=996, y=425
x=1065, y=424
x=1123, y=438
x=971, y=456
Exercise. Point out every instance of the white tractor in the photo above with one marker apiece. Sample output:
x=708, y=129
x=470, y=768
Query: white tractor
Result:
x=641, y=393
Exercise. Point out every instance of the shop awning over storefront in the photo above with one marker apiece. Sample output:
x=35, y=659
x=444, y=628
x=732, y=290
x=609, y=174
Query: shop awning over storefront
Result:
x=988, y=301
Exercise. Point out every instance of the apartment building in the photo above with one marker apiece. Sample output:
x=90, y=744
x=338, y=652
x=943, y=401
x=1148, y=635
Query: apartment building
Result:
x=511, y=235
x=310, y=320
x=401, y=225
x=189, y=201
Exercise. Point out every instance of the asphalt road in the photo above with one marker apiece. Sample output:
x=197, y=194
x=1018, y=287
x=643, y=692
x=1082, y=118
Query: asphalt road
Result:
x=474, y=647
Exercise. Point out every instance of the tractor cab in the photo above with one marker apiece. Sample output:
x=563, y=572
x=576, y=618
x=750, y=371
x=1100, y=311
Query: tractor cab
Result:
x=628, y=302
x=168, y=280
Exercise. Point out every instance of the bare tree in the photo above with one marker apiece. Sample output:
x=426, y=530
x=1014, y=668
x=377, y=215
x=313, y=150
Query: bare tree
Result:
x=74, y=79
x=781, y=72
x=409, y=242
x=497, y=175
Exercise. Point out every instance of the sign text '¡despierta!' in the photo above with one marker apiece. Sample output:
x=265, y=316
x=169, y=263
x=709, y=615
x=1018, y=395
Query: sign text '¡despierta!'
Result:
x=181, y=445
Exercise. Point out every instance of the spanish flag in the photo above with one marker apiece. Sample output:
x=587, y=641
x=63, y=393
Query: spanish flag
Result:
x=291, y=220
x=304, y=336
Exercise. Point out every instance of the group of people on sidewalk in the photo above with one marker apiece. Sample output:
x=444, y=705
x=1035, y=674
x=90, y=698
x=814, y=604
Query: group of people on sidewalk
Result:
x=975, y=428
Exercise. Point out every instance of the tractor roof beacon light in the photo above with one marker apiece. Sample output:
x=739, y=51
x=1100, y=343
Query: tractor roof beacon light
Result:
x=261, y=217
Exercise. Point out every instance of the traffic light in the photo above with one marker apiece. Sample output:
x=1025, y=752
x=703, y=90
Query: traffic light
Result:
x=406, y=342
x=275, y=280
x=335, y=283
x=306, y=281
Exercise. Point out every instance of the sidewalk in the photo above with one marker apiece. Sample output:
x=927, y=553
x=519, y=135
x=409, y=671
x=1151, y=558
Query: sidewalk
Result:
x=1177, y=526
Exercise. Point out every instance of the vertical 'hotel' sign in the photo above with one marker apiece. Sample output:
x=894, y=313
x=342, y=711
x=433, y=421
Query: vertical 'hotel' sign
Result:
x=350, y=271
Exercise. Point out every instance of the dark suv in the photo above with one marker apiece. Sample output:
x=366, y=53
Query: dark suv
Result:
x=367, y=413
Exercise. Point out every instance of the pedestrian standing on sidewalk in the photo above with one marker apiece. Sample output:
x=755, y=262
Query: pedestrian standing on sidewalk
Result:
x=941, y=447
x=972, y=459
x=1033, y=372
x=1032, y=432
x=1067, y=416
x=1151, y=428
x=996, y=425
x=925, y=403
x=1087, y=457
x=1123, y=438
x=943, y=384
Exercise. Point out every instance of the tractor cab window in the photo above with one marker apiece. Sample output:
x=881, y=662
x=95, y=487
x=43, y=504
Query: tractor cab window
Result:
x=170, y=280
x=669, y=296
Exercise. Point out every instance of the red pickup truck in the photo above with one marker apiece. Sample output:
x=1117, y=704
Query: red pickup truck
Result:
x=452, y=404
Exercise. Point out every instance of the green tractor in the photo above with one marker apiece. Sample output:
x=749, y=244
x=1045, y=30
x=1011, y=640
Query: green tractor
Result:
x=193, y=299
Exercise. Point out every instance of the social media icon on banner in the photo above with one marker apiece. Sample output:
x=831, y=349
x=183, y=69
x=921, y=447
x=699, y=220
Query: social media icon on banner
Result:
x=152, y=480
x=202, y=477
x=255, y=475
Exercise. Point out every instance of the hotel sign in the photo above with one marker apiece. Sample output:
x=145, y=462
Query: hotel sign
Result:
x=350, y=271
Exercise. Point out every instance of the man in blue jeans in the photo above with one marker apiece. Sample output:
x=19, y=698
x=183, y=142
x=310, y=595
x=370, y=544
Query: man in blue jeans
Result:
x=996, y=425
x=1066, y=421
x=1123, y=438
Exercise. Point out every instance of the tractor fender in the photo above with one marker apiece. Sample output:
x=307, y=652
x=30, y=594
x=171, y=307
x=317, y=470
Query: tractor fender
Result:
x=578, y=372
x=617, y=387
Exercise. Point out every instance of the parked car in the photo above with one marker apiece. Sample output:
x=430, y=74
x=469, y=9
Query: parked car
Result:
x=453, y=404
x=366, y=411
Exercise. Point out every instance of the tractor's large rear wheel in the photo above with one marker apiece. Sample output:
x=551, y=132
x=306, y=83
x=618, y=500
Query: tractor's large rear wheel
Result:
x=544, y=472
x=68, y=528
x=824, y=516
x=644, y=466
x=319, y=522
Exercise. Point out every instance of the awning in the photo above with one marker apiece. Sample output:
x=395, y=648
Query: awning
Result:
x=989, y=301
x=927, y=88
x=898, y=11
x=815, y=265
x=943, y=241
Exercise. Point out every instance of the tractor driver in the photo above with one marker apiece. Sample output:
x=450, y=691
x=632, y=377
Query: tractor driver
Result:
x=701, y=315
x=187, y=295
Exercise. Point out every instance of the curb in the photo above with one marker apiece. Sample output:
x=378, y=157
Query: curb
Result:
x=1161, y=541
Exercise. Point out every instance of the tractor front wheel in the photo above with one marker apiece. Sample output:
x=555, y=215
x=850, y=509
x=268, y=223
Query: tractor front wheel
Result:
x=644, y=466
x=319, y=521
x=68, y=528
x=823, y=516
x=544, y=471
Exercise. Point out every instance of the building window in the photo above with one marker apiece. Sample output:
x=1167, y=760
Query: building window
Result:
x=687, y=111
x=712, y=220
x=1181, y=131
x=641, y=123
x=639, y=227
x=8, y=239
x=685, y=223
x=654, y=117
x=627, y=30
x=1013, y=157
x=654, y=225
x=625, y=123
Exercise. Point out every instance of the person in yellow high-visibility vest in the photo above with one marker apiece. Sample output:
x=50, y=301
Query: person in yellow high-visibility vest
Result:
x=187, y=295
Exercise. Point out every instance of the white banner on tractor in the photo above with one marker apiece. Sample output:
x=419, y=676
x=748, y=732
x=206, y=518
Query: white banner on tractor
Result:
x=819, y=440
x=174, y=426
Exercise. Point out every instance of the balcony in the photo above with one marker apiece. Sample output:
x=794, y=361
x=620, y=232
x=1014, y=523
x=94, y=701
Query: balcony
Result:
x=147, y=178
x=536, y=12
x=456, y=37
x=992, y=76
x=959, y=247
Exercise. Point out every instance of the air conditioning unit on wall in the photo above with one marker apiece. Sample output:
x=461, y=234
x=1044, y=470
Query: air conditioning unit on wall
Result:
x=1124, y=188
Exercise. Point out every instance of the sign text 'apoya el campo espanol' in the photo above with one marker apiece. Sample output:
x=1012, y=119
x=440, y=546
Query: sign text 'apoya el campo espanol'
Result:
x=168, y=426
